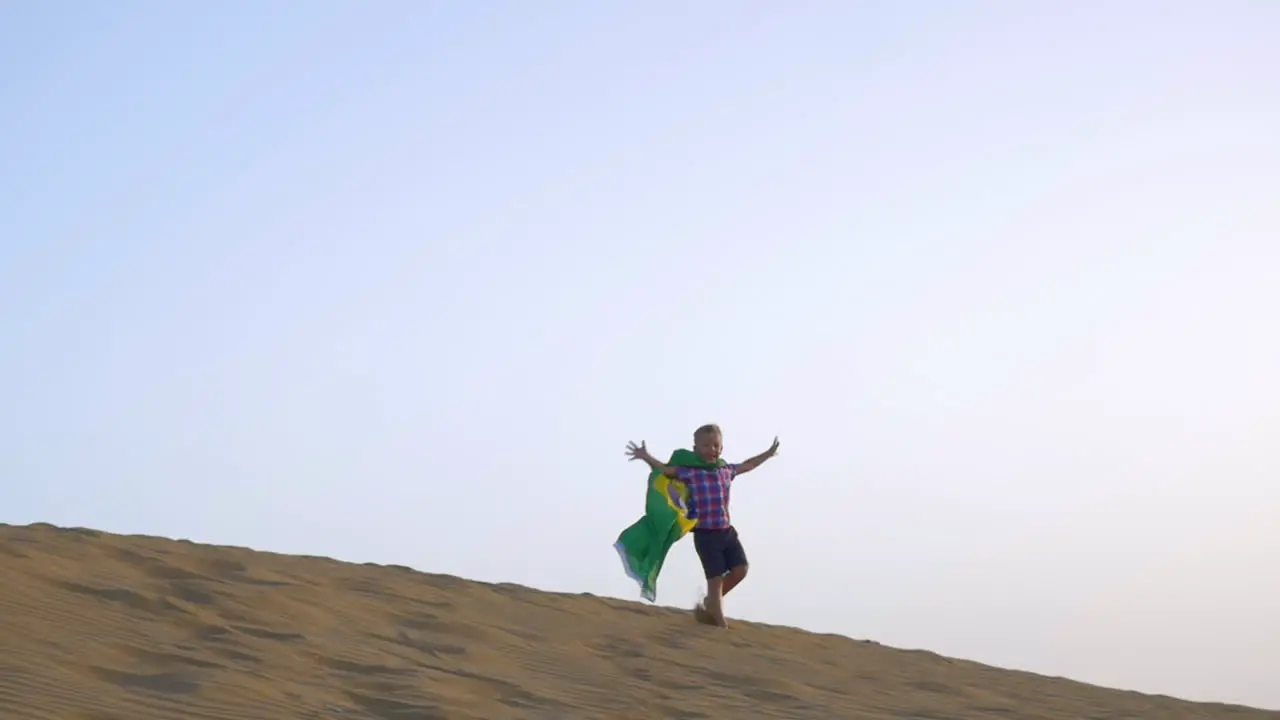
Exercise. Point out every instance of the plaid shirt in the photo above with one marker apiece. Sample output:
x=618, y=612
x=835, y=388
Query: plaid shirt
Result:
x=709, y=495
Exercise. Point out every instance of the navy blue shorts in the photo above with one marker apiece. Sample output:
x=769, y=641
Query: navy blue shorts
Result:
x=719, y=550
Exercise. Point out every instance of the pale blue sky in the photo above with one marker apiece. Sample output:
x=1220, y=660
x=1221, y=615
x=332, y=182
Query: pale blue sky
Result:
x=397, y=281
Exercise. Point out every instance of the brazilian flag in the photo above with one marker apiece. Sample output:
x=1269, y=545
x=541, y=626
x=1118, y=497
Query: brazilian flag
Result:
x=644, y=545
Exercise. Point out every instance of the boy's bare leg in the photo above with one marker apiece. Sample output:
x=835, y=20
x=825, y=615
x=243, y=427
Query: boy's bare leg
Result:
x=727, y=583
x=734, y=577
x=712, y=604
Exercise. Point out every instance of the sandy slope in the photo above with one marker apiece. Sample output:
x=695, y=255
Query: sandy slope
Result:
x=104, y=627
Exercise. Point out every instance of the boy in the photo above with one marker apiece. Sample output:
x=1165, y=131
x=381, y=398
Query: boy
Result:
x=723, y=560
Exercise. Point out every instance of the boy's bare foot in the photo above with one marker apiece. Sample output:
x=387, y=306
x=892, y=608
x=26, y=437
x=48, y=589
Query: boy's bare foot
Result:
x=702, y=616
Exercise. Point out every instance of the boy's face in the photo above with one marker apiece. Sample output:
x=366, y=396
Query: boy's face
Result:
x=708, y=446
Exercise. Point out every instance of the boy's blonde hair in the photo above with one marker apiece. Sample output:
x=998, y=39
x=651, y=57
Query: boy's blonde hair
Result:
x=708, y=429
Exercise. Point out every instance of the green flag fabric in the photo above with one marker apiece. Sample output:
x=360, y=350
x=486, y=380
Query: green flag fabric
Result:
x=644, y=545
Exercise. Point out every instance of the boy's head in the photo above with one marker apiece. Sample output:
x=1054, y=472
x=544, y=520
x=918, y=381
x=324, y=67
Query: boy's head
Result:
x=707, y=442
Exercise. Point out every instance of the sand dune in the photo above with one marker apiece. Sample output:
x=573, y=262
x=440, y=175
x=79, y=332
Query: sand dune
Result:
x=105, y=627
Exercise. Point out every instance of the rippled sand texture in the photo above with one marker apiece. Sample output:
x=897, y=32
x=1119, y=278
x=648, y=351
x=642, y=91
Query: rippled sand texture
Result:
x=105, y=627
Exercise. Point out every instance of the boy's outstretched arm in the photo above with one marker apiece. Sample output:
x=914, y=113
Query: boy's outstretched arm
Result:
x=750, y=464
x=640, y=452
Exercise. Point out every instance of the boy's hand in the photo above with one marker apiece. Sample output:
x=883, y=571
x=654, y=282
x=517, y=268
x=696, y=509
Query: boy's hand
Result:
x=638, y=452
x=752, y=463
